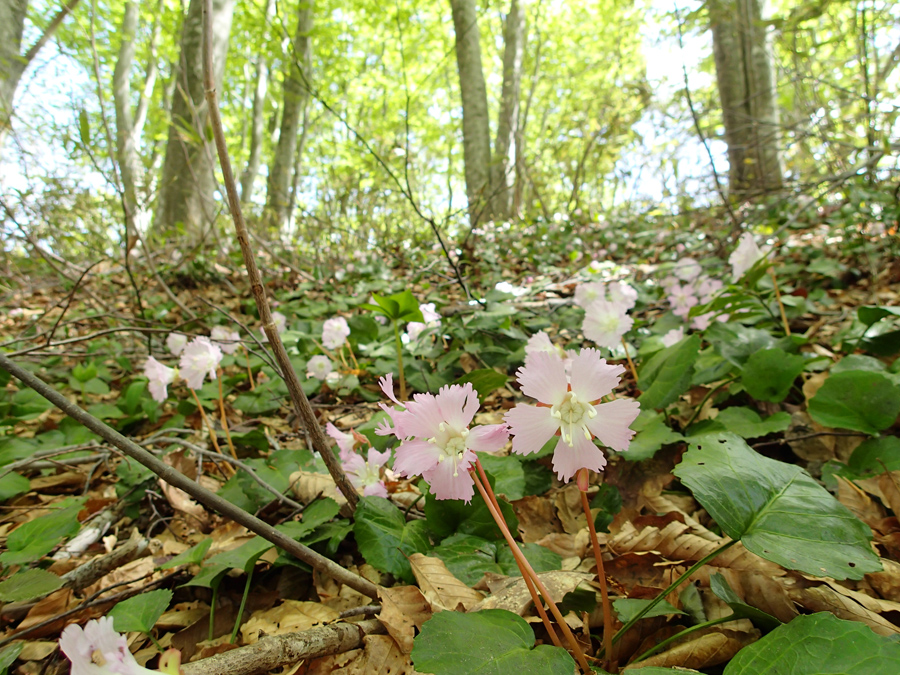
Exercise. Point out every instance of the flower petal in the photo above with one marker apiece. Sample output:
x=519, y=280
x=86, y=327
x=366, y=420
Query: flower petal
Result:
x=583, y=454
x=458, y=405
x=449, y=481
x=387, y=386
x=423, y=417
x=375, y=490
x=592, y=376
x=414, y=458
x=531, y=427
x=487, y=437
x=612, y=422
x=544, y=378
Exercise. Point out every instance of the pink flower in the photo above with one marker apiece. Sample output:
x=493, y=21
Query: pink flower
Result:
x=319, y=367
x=540, y=342
x=365, y=474
x=432, y=320
x=228, y=340
x=623, y=294
x=160, y=377
x=334, y=332
x=200, y=358
x=605, y=323
x=687, y=269
x=437, y=442
x=682, y=299
x=79, y=645
x=176, y=342
x=587, y=293
x=570, y=406
x=345, y=442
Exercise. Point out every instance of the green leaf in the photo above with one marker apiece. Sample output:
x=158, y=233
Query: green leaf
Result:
x=856, y=399
x=746, y=422
x=385, y=539
x=769, y=374
x=387, y=306
x=243, y=557
x=818, y=644
x=33, y=540
x=28, y=585
x=408, y=306
x=667, y=375
x=468, y=558
x=84, y=128
x=317, y=513
x=484, y=381
x=627, y=608
x=875, y=456
x=106, y=411
x=869, y=314
x=10, y=654
x=28, y=404
x=13, y=484
x=777, y=510
x=762, y=620
x=489, y=642
x=737, y=343
x=609, y=500
x=509, y=473
x=141, y=612
x=447, y=516
x=193, y=556
x=883, y=344
x=208, y=577
x=652, y=434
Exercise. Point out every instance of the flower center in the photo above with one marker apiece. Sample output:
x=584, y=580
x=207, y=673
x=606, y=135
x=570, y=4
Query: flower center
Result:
x=573, y=415
x=609, y=323
x=451, y=443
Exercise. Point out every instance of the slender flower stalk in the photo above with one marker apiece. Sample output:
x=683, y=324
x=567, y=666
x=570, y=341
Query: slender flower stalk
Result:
x=399, y=344
x=582, y=481
x=225, y=419
x=526, y=566
x=784, y=321
x=630, y=362
x=212, y=432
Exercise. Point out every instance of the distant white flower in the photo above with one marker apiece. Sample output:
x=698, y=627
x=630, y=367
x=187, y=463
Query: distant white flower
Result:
x=432, y=320
x=160, y=377
x=280, y=321
x=334, y=332
x=506, y=287
x=623, y=294
x=745, y=256
x=606, y=322
x=687, y=269
x=228, y=340
x=674, y=336
x=319, y=367
x=200, y=358
x=176, y=342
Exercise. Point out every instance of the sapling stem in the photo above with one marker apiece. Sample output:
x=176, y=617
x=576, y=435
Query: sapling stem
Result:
x=784, y=321
x=400, y=361
x=516, y=551
x=630, y=362
x=567, y=632
x=601, y=573
x=675, y=584
x=212, y=610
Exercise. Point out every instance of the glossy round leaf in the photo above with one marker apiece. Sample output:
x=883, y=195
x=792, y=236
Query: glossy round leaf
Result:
x=769, y=374
x=856, y=399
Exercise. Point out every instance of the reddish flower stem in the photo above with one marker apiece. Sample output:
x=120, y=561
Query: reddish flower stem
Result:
x=601, y=576
x=523, y=561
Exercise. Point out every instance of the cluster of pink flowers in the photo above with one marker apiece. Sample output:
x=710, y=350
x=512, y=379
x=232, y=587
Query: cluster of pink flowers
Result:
x=689, y=287
x=364, y=474
x=199, y=358
x=436, y=441
x=606, y=309
x=568, y=392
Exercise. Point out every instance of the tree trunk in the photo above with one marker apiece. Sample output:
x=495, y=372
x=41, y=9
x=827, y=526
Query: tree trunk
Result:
x=12, y=62
x=257, y=121
x=126, y=150
x=187, y=184
x=296, y=95
x=746, y=82
x=503, y=169
x=476, y=128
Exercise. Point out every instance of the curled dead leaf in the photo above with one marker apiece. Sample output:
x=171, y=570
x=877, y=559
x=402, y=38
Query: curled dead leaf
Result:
x=443, y=590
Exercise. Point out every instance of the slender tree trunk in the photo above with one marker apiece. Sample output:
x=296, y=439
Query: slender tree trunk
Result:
x=746, y=82
x=503, y=168
x=126, y=150
x=187, y=184
x=12, y=62
x=476, y=127
x=257, y=118
x=295, y=180
x=296, y=95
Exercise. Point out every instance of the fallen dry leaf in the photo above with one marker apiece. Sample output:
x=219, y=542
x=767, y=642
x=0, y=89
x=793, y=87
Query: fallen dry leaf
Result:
x=511, y=593
x=886, y=582
x=380, y=656
x=291, y=616
x=443, y=590
x=700, y=651
x=537, y=518
x=826, y=599
x=860, y=504
x=402, y=609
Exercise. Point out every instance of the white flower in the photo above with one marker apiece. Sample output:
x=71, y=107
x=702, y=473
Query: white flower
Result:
x=606, y=322
x=319, y=367
x=587, y=293
x=200, y=358
x=280, y=321
x=334, y=332
x=432, y=320
x=79, y=645
x=674, y=336
x=429, y=312
x=228, y=340
x=745, y=256
x=176, y=342
x=687, y=269
x=160, y=377
x=623, y=294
